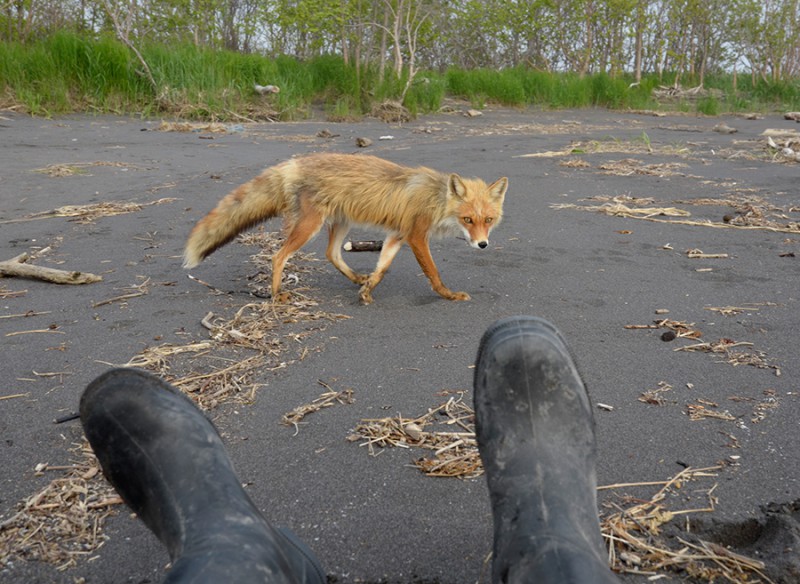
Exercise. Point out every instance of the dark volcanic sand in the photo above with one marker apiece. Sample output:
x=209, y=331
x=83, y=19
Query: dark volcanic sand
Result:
x=377, y=518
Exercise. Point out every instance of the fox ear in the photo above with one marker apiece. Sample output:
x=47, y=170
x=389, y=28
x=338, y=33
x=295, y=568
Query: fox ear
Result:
x=456, y=186
x=499, y=187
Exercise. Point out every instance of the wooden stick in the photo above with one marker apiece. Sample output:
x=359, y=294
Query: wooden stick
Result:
x=363, y=246
x=16, y=267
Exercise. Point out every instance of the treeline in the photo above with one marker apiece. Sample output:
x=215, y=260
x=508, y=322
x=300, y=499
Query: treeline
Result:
x=69, y=72
x=759, y=38
x=204, y=58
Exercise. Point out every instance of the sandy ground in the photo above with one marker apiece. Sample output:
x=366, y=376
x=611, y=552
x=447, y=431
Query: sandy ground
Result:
x=378, y=518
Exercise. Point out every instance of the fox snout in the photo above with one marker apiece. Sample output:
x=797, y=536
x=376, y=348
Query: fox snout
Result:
x=478, y=243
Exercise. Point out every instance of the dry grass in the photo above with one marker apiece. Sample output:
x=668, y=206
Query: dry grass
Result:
x=770, y=402
x=446, y=431
x=391, y=112
x=563, y=128
x=73, y=168
x=268, y=333
x=90, y=213
x=299, y=265
x=575, y=163
x=752, y=214
x=6, y=293
x=734, y=310
x=642, y=146
x=636, y=544
x=330, y=398
x=214, y=127
x=633, y=530
x=62, y=522
x=735, y=353
x=655, y=396
x=703, y=408
x=633, y=167
x=680, y=328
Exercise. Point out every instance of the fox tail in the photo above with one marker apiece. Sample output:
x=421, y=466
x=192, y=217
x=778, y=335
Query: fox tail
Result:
x=258, y=200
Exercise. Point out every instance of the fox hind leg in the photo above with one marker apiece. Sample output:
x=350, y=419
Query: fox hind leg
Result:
x=336, y=234
x=300, y=233
x=389, y=250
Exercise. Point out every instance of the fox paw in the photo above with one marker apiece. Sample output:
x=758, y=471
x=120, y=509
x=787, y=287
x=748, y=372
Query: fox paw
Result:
x=365, y=298
x=458, y=296
x=282, y=298
x=360, y=278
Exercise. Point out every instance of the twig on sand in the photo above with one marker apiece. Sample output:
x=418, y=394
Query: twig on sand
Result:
x=16, y=267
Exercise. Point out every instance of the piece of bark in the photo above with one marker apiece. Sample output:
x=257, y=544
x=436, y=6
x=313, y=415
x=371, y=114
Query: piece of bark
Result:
x=16, y=267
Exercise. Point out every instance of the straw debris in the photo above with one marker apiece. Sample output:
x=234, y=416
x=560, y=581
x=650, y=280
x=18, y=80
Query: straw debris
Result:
x=301, y=263
x=325, y=400
x=734, y=310
x=574, y=163
x=63, y=521
x=681, y=329
x=6, y=293
x=635, y=146
x=447, y=431
x=633, y=533
x=751, y=213
x=770, y=402
x=747, y=355
x=265, y=329
x=135, y=290
x=704, y=408
x=214, y=127
x=73, y=168
x=90, y=213
x=391, y=112
x=633, y=167
x=617, y=207
x=634, y=546
x=654, y=396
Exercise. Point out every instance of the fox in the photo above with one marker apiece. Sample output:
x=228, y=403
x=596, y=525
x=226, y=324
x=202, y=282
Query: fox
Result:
x=410, y=205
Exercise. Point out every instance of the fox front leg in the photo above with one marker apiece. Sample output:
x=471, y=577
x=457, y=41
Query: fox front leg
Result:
x=419, y=245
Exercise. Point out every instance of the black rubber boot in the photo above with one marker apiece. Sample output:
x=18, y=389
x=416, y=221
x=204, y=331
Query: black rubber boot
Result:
x=535, y=433
x=168, y=463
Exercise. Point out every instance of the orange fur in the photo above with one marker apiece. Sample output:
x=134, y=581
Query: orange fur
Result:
x=342, y=190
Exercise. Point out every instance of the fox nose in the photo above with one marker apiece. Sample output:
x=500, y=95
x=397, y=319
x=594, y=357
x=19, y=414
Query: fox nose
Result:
x=483, y=244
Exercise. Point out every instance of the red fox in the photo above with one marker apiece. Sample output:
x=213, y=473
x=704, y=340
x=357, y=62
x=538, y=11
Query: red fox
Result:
x=409, y=204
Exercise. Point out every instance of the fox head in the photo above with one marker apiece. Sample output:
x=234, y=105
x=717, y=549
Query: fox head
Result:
x=478, y=207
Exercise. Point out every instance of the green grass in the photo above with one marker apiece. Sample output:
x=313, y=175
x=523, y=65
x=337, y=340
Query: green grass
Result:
x=522, y=87
x=70, y=73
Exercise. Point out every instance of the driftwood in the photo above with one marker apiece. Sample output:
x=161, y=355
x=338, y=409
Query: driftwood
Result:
x=363, y=245
x=16, y=266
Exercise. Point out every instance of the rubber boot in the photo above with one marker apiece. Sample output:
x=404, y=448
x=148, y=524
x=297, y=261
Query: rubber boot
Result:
x=168, y=463
x=536, y=438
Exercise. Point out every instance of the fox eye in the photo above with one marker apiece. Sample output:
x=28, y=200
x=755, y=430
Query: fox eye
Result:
x=489, y=220
x=467, y=220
